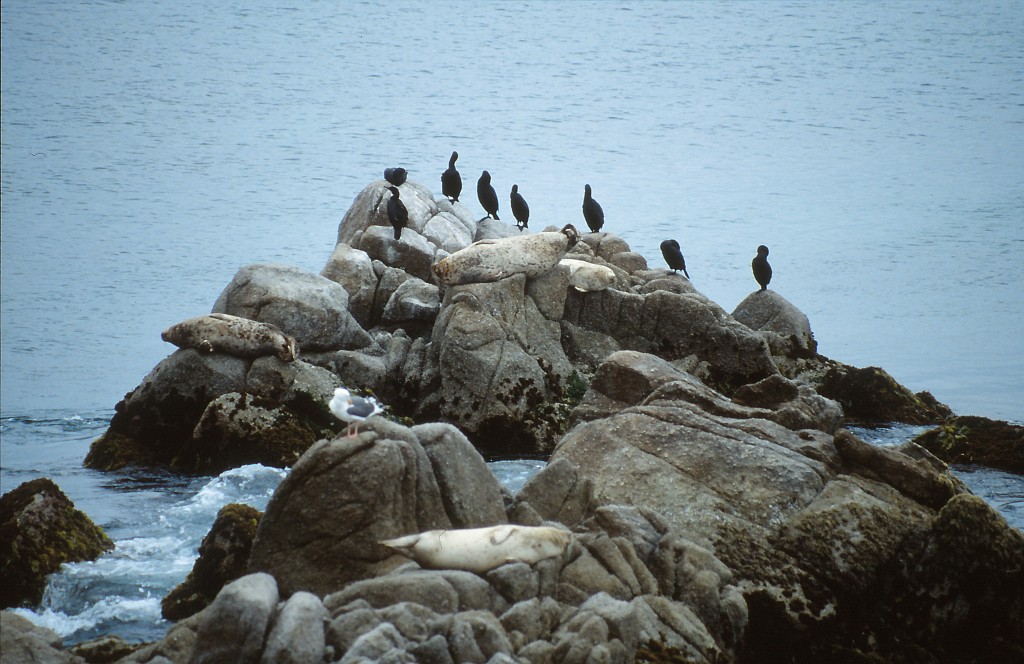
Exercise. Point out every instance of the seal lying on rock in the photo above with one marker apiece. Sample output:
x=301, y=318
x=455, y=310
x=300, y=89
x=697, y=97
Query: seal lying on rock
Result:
x=587, y=277
x=233, y=335
x=491, y=260
x=482, y=549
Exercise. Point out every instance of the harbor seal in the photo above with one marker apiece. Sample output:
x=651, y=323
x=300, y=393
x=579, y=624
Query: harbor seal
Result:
x=232, y=335
x=588, y=277
x=482, y=549
x=491, y=260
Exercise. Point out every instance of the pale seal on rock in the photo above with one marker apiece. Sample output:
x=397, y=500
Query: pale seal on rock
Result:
x=588, y=277
x=491, y=260
x=482, y=549
x=232, y=335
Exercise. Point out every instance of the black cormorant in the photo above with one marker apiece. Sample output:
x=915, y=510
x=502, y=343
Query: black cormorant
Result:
x=488, y=197
x=520, y=210
x=397, y=214
x=674, y=256
x=451, y=181
x=396, y=176
x=762, y=270
x=592, y=211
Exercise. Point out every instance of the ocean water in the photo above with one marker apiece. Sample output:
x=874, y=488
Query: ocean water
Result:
x=151, y=148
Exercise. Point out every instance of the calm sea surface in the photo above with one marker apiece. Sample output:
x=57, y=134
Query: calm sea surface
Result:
x=151, y=148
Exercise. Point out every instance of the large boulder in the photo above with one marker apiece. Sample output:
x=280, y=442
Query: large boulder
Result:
x=494, y=363
x=322, y=528
x=197, y=412
x=674, y=326
x=786, y=329
x=309, y=307
x=40, y=530
x=370, y=208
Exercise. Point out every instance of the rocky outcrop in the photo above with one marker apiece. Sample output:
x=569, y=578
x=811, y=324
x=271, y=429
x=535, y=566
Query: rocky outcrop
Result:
x=977, y=440
x=818, y=530
x=223, y=557
x=205, y=413
x=40, y=530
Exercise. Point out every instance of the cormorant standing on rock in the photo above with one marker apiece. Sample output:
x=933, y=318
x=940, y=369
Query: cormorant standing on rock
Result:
x=592, y=211
x=397, y=214
x=674, y=256
x=488, y=197
x=762, y=270
x=451, y=181
x=520, y=210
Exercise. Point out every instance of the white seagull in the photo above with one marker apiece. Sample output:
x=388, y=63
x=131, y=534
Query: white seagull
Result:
x=352, y=410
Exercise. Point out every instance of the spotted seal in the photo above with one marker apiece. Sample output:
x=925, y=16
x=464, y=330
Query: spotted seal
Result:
x=232, y=335
x=491, y=260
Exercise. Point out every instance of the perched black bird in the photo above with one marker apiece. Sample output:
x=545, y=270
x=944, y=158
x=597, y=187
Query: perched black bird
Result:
x=520, y=210
x=396, y=176
x=488, y=197
x=674, y=256
x=592, y=211
x=397, y=214
x=762, y=270
x=451, y=181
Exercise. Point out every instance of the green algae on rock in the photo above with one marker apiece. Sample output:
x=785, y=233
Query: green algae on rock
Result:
x=40, y=530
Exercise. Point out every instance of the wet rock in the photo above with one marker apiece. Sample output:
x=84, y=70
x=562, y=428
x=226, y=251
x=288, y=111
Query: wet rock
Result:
x=977, y=440
x=872, y=396
x=223, y=557
x=40, y=530
x=181, y=415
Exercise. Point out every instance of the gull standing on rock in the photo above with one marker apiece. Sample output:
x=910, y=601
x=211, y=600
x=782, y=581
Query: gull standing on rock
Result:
x=762, y=270
x=397, y=214
x=520, y=210
x=674, y=256
x=592, y=212
x=451, y=180
x=352, y=410
x=488, y=197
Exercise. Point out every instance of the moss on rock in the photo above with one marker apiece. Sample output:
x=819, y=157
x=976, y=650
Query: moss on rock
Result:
x=223, y=557
x=40, y=530
x=969, y=439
